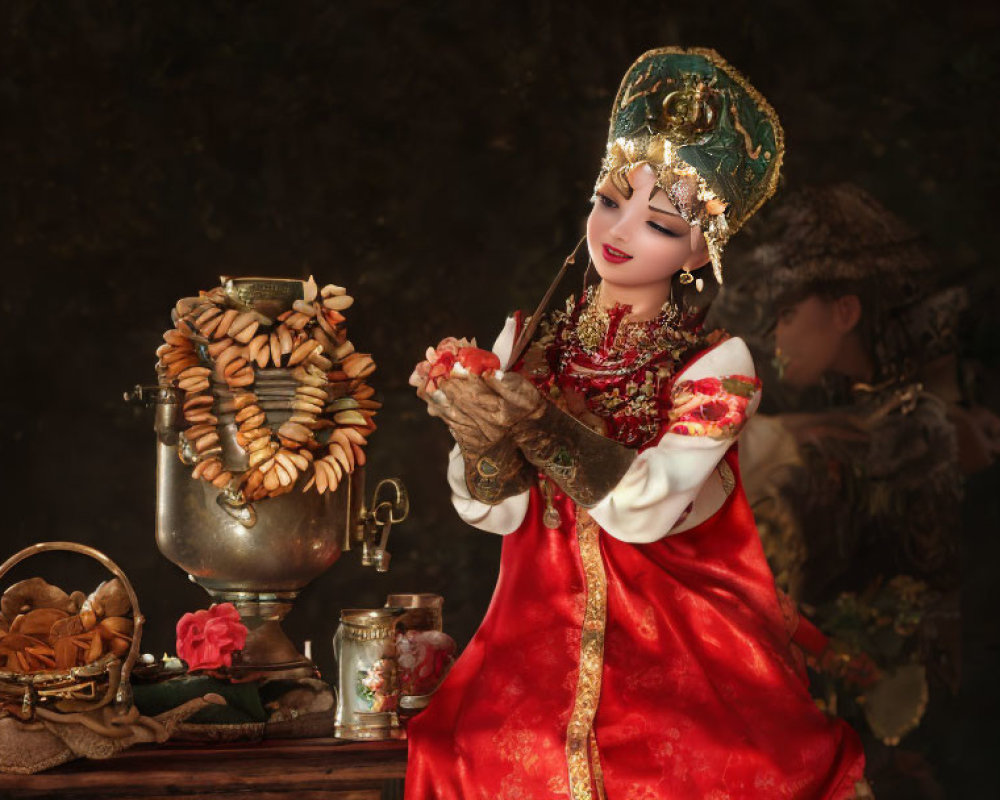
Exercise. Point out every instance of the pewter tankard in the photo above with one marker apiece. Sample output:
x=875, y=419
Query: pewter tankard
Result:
x=368, y=685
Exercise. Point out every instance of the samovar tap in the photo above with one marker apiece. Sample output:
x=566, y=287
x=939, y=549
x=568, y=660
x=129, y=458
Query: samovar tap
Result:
x=383, y=515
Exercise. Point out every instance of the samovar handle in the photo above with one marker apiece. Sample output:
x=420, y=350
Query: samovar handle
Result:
x=166, y=401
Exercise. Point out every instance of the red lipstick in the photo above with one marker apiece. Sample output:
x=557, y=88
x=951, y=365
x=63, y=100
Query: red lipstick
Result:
x=614, y=255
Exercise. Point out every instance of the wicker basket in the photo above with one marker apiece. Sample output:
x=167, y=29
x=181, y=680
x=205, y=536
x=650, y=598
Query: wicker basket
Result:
x=80, y=688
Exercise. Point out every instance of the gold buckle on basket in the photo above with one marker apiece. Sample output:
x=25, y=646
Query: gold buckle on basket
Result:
x=80, y=688
x=78, y=691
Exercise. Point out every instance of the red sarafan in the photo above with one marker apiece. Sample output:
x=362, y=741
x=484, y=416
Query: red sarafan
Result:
x=636, y=646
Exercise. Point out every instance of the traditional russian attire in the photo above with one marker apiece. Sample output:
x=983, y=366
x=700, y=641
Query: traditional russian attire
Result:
x=636, y=646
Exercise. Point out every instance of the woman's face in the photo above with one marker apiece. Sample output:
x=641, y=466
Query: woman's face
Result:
x=809, y=337
x=641, y=241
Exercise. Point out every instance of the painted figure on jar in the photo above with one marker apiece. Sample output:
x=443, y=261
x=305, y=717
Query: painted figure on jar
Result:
x=636, y=645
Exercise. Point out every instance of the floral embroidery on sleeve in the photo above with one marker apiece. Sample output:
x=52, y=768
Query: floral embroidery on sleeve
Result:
x=713, y=407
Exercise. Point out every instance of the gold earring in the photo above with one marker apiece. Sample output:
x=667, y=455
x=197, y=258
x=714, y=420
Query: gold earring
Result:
x=686, y=278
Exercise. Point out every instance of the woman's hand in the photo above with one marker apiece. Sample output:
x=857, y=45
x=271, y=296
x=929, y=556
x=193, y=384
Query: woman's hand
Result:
x=494, y=467
x=471, y=403
x=485, y=410
x=497, y=407
x=520, y=401
x=463, y=403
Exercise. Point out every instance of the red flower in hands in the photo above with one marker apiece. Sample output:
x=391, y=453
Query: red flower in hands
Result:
x=208, y=638
x=478, y=361
x=449, y=352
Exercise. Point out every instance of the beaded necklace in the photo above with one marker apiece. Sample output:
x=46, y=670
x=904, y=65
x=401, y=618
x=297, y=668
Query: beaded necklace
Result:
x=608, y=371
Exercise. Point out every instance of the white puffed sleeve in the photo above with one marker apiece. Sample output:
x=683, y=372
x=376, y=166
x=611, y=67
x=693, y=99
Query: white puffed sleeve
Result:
x=673, y=486
x=507, y=516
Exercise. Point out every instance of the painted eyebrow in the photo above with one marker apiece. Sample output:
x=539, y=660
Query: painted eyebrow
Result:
x=664, y=211
x=652, y=194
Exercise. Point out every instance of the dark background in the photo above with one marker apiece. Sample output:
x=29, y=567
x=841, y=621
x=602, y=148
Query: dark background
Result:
x=437, y=159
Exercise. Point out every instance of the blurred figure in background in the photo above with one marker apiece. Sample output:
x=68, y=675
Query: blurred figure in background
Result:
x=855, y=474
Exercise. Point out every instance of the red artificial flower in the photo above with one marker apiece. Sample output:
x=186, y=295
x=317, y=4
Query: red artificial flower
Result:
x=208, y=638
x=478, y=361
x=440, y=368
x=441, y=359
x=451, y=345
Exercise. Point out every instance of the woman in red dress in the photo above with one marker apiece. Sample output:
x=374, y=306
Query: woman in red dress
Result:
x=635, y=647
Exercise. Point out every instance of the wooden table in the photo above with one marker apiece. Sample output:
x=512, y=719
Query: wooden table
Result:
x=307, y=769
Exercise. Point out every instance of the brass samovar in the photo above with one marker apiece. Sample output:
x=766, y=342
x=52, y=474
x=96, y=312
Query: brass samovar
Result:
x=243, y=542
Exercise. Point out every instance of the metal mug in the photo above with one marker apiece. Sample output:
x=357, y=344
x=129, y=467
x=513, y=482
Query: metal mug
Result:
x=368, y=677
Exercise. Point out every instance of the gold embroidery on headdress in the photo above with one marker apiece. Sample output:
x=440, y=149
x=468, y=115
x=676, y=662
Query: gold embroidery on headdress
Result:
x=689, y=112
x=699, y=114
x=690, y=194
x=753, y=152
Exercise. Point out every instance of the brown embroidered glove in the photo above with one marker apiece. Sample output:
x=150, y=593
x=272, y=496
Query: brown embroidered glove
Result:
x=495, y=469
x=584, y=464
x=498, y=472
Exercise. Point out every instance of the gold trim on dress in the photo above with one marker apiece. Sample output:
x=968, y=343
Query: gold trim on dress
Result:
x=582, y=757
x=595, y=762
